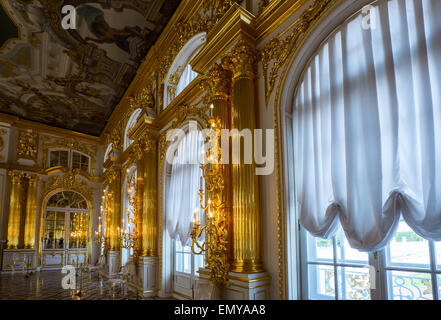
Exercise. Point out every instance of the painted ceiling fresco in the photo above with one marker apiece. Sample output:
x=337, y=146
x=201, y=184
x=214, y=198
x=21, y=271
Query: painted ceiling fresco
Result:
x=73, y=79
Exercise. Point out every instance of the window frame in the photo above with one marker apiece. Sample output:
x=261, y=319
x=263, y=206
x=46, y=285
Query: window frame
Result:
x=70, y=158
x=379, y=260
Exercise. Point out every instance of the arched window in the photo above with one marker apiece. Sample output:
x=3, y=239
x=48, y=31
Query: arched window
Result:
x=365, y=136
x=129, y=209
x=181, y=200
x=130, y=124
x=181, y=74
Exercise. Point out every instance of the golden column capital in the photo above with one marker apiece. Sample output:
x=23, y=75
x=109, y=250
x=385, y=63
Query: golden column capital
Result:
x=16, y=176
x=242, y=60
x=33, y=178
x=218, y=82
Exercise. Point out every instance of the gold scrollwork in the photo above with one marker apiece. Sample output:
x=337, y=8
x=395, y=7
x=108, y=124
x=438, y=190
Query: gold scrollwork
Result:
x=27, y=146
x=69, y=181
x=277, y=50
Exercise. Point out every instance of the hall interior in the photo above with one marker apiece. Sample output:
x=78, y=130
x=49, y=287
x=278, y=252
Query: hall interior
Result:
x=210, y=150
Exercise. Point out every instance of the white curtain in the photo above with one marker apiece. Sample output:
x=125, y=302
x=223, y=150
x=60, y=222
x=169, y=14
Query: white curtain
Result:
x=182, y=193
x=367, y=127
x=187, y=76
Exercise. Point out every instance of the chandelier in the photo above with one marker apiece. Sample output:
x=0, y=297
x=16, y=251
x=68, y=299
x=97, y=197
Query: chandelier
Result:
x=215, y=244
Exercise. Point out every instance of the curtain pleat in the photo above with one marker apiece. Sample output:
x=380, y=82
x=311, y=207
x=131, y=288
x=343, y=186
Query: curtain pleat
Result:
x=182, y=195
x=367, y=127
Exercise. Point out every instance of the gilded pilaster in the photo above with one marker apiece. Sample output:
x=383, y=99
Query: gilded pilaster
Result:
x=113, y=177
x=31, y=212
x=150, y=197
x=247, y=219
x=15, y=208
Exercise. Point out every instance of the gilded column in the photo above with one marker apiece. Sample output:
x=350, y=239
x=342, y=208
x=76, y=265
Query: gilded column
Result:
x=15, y=208
x=139, y=200
x=115, y=209
x=31, y=212
x=150, y=199
x=247, y=219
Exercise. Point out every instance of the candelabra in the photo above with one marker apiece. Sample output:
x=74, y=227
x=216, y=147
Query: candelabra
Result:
x=99, y=237
x=212, y=202
x=129, y=237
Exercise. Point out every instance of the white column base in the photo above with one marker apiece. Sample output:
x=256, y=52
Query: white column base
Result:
x=247, y=286
x=242, y=286
x=112, y=263
x=144, y=277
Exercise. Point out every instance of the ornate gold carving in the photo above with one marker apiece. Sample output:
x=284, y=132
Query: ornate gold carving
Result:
x=146, y=143
x=110, y=175
x=27, y=146
x=144, y=100
x=116, y=136
x=279, y=49
x=242, y=60
x=211, y=12
x=217, y=82
x=185, y=112
x=69, y=181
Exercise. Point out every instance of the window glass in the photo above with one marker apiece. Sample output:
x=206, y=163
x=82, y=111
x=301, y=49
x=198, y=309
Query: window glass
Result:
x=346, y=253
x=408, y=249
x=78, y=230
x=353, y=283
x=438, y=254
x=319, y=249
x=80, y=161
x=59, y=158
x=409, y=286
x=54, y=230
x=321, y=282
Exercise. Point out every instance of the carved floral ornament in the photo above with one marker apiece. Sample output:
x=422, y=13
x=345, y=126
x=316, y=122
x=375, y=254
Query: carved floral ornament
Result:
x=275, y=54
x=27, y=145
x=69, y=181
x=146, y=143
x=217, y=82
x=241, y=60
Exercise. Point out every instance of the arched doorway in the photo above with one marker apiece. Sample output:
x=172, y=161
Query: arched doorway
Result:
x=65, y=235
